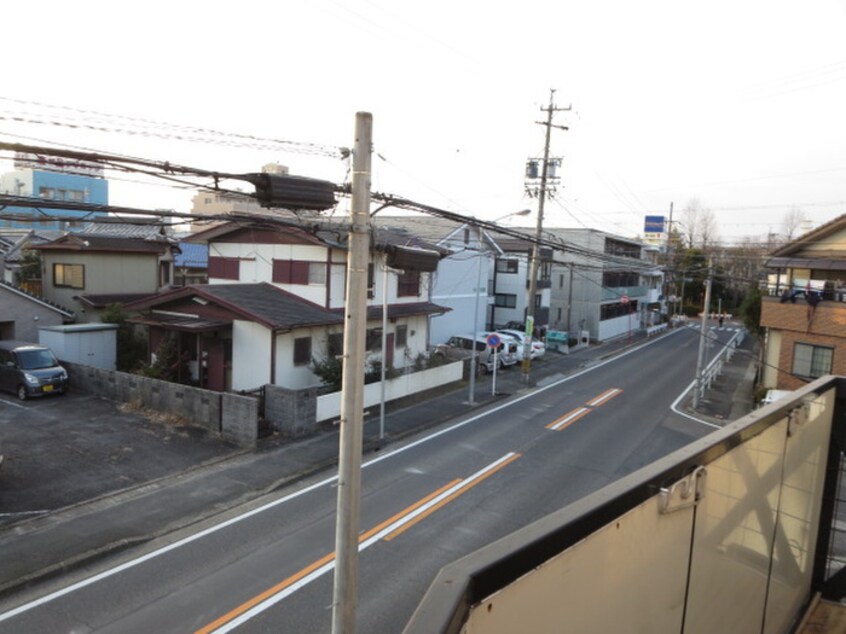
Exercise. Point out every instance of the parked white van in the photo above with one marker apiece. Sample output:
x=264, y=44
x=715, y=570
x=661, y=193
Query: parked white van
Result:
x=506, y=351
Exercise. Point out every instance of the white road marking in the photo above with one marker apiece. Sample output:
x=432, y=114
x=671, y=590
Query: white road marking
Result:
x=328, y=481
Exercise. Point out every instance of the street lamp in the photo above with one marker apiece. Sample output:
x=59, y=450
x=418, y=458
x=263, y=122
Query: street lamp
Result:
x=471, y=396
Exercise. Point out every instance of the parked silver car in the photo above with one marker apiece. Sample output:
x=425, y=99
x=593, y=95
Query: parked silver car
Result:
x=29, y=369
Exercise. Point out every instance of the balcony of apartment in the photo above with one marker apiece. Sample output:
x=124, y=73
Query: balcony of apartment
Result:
x=640, y=293
x=823, y=317
x=741, y=531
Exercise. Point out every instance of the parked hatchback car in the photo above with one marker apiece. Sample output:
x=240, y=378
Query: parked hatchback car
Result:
x=29, y=369
x=538, y=347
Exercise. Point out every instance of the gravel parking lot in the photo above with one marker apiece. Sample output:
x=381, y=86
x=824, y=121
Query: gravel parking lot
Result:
x=62, y=450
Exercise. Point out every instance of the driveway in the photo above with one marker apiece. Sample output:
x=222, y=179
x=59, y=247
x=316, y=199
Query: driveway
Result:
x=62, y=450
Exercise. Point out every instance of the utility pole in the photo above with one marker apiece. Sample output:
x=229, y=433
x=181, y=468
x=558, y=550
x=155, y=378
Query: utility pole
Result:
x=702, y=336
x=352, y=394
x=533, y=272
x=667, y=284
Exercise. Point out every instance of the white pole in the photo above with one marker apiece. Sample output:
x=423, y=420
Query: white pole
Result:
x=471, y=397
x=384, y=349
x=496, y=363
x=697, y=392
x=352, y=391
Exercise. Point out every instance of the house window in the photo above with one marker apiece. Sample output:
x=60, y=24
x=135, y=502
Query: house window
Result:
x=164, y=273
x=374, y=339
x=335, y=344
x=401, y=337
x=302, y=350
x=299, y=272
x=224, y=268
x=811, y=361
x=505, y=300
x=408, y=284
x=506, y=266
x=69, y=275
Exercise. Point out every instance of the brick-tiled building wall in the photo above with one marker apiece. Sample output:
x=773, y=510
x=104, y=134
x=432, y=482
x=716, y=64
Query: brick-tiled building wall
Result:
x=824, y=325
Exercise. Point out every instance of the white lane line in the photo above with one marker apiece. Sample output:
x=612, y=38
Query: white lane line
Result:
x=573, y=415
x=261, y=509
x=329, y=566
x=599, y=400
x=19, y=406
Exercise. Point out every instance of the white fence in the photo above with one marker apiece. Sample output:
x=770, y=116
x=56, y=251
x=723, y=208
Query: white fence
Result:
x=329, y=405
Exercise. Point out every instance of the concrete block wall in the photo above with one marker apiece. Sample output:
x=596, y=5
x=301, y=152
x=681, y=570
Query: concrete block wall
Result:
x=202, y=407
x=292, y=412
x=239, y=419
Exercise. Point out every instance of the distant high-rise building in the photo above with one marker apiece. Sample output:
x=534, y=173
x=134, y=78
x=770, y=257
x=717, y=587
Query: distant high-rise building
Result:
x=48, y=178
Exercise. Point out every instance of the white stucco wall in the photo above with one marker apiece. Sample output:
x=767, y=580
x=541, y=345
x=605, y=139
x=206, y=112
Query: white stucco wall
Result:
x=618, y=327
x=250, y=355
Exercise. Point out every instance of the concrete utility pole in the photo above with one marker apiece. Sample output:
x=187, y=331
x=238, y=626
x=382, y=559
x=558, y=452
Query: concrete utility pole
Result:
x=702, y=335
x=352, y=387
x=533, y=273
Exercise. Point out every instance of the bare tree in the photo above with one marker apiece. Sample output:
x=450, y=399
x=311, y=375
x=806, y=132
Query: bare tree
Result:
x=792, y=223
x=699, y=224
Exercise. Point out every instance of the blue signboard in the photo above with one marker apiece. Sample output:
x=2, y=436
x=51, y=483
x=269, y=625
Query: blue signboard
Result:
x=653, y=224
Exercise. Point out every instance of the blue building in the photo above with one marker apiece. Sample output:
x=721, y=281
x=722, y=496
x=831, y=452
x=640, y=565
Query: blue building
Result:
x=52, y=179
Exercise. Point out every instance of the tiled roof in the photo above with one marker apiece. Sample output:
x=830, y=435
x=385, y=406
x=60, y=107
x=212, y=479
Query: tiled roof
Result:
x=93, y=242
x=193, y=255
x=271, y=305
x=125, y=230
x=263, y=303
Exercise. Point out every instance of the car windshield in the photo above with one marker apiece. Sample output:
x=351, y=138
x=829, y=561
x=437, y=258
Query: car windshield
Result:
x=35, y=359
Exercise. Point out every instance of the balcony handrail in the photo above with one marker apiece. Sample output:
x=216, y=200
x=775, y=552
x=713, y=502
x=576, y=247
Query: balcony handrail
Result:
x=465, y=583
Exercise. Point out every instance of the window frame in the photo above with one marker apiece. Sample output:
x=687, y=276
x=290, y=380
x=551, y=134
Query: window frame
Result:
x=63, y=276
x=812, y=361
x=302, y=350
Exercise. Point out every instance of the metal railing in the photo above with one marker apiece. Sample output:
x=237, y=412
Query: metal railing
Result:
x=715, y=368
x=733, y=533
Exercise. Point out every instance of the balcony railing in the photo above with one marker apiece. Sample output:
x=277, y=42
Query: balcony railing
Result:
x=632, y=292
x=734, y=533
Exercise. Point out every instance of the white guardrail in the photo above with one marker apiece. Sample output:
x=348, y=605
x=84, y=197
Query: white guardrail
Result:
x=716, y=366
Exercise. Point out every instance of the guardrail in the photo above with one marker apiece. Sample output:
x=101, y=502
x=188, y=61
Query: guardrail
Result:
x=713, y=370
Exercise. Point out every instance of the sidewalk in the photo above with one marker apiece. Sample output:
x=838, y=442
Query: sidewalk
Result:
x=65, y=539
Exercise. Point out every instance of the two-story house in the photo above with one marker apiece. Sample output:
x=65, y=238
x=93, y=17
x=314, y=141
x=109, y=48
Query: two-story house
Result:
x=274, y=303
x=805, y=311
x=88, y=270
x=464, y=278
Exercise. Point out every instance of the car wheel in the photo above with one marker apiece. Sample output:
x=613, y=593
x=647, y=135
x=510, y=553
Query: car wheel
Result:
x=22, y=392
x=483, y=369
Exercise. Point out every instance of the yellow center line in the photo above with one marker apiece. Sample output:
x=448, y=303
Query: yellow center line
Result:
x=605, y=397
x=282, y=585
x=568, y=419
x=450, y=498
x=326, y=562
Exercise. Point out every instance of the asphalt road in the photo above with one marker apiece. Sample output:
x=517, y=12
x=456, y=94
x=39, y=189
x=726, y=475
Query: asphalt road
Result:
x=424, y=504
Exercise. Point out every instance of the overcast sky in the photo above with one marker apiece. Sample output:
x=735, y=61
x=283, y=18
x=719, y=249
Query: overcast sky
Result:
x=738, y=104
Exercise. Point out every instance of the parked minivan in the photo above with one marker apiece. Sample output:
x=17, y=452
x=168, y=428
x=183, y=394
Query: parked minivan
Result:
x=506, y=351
x=29, y=369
